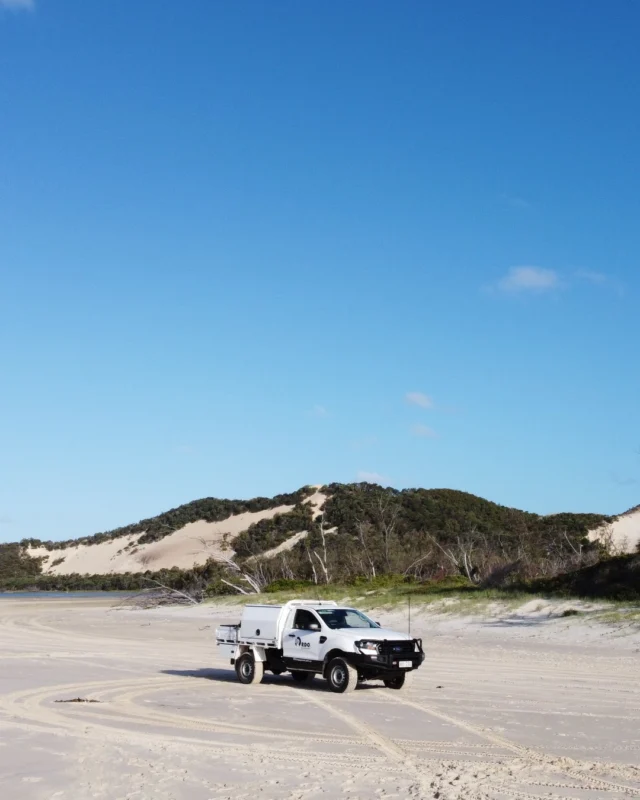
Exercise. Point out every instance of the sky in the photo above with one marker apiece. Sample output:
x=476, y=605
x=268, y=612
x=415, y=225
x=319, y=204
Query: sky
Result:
x=246, y=247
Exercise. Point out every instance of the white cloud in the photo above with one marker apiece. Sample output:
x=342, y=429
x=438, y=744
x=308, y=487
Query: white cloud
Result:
x=319, y=411
x=599, y=279
x=423, y=431
x=16, y=5
x=371, y=477
x=529, y=279
x=419, y=399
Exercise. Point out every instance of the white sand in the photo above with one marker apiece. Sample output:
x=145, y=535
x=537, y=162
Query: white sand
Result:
x=283, y=547
x=187, y=547
x=623, y=532
x=524, y=706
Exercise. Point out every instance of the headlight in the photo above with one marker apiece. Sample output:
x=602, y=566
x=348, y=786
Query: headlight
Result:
x=368, y=648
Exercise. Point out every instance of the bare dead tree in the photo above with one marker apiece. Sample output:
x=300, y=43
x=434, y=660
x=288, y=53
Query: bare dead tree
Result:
x=387, y=512
x=415, y=563
x=256, y=580
x=363, y=529
x=577, y=550
x=286, y=570
x=323, y=559
x=313, y=566
x=463, y=559
x=323, y=565
x=607, y=541
x=172, y=591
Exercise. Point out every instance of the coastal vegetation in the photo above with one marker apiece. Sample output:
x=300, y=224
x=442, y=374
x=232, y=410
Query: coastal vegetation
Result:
x=415, y=540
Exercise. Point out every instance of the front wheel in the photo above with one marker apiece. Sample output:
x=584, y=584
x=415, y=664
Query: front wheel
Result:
x=396, y=683
x=248, y=669
x=342, y=676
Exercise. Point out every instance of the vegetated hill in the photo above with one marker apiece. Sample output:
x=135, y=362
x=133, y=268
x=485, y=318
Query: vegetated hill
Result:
x=191, y=545
x=16, y=564
x=208, y=509
x=615, y=578
x=334, y=533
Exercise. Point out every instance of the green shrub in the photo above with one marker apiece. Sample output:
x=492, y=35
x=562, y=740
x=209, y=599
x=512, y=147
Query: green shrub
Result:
x=383, y=581
x=288, y=585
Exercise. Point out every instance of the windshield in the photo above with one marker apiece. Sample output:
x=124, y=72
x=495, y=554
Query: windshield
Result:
x=345, y=618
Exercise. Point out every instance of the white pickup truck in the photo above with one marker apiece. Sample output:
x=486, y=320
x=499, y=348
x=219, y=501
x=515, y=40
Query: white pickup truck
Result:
x=307, y=637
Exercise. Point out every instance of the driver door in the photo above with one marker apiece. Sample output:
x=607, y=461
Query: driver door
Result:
x=302, y=641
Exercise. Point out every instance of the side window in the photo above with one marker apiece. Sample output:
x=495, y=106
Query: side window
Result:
x=304, y=619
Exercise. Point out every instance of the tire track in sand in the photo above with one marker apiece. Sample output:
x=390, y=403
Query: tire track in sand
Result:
x=567, y=766
x=431, y=784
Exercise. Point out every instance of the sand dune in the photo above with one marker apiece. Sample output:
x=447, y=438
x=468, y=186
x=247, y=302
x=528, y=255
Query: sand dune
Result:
x=189, y=546
x=197, y=541
x=623, y=532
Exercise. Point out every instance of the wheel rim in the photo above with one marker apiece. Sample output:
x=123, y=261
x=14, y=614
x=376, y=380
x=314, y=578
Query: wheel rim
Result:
x=339, y=675
x=246, y=669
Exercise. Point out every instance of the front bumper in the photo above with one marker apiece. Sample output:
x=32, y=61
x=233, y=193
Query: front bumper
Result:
x=389, y=658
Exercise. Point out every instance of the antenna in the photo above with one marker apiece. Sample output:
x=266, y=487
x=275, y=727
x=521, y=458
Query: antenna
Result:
x=409, y=600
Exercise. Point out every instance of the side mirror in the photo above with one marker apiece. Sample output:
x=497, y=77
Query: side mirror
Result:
x=314, y=626
x=378, y=624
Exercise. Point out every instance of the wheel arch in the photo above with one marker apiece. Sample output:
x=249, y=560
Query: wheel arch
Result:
x=335, y=653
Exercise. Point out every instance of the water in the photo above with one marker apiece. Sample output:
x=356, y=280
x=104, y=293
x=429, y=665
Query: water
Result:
x=61, y=595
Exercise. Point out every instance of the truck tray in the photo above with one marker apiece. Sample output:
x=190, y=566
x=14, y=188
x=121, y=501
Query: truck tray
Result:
x=227, y=634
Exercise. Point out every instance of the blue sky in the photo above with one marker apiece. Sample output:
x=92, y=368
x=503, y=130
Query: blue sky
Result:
x=250, y=246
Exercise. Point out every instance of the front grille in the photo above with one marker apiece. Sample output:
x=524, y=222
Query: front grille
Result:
x=402, y=647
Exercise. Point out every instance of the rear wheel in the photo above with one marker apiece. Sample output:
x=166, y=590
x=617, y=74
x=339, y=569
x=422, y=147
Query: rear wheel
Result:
x=396, y=683
x=342, y=676
x=300, y=676
x=248, y=669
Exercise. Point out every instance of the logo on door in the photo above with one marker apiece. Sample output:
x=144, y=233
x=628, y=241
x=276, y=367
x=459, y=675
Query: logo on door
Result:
x=300, y=643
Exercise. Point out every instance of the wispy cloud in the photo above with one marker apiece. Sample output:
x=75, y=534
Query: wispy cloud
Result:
x=599, y=279
x=529, y=279
x=185, y=449
x=5, y=520
x=419, y=399
x=319, y=411
x=590, y=276
x=371, y=477
x=423, y=431
x=18, y=5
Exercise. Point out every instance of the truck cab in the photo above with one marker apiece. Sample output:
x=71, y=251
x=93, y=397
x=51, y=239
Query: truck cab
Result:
x=317, y=637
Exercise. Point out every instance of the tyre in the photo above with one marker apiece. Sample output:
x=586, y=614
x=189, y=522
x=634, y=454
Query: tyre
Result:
x=300, y=677
x=342, y=676
x=398, y=682
x=248, y=669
